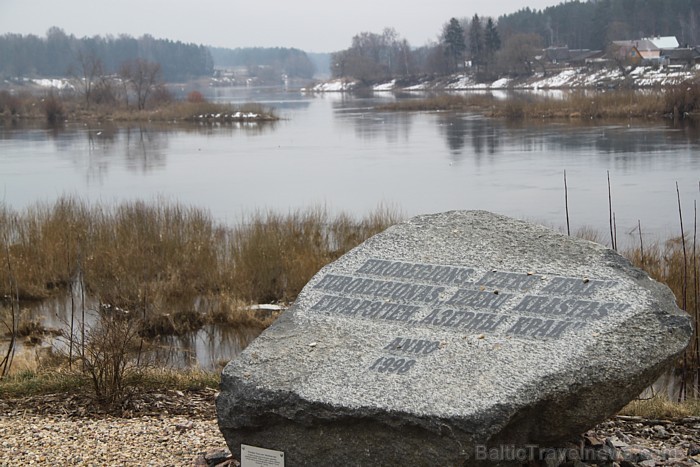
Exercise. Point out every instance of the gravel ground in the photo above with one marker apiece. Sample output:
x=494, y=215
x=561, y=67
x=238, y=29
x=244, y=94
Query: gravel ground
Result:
x=172, y=428
x=146, y=440
x=168, y=428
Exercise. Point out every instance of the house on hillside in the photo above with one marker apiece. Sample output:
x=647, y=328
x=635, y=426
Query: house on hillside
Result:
x=625, y=53
x=643, y=51
x=651, y=51
x=680, y=57
x=570, y=57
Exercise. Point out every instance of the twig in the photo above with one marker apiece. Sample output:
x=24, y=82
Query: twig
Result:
x=610, y=213
x=566, y=204
x=641, y=242
x=685, y=290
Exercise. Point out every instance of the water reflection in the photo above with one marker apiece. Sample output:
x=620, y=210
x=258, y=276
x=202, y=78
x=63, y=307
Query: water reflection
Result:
x=208, y=348
x=483, y=135
x=144, y=149
x=393, y=127
x=140, y=149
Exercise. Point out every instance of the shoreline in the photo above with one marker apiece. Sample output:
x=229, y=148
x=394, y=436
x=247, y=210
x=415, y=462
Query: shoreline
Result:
x=564, y=79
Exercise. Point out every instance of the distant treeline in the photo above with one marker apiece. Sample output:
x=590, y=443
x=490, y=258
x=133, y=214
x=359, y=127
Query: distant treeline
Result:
x=59, y=55
x=512, y=44
x=595, y=23
x=265, y=62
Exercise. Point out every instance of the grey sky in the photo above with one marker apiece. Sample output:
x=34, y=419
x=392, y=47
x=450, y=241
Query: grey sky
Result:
x=310, y=25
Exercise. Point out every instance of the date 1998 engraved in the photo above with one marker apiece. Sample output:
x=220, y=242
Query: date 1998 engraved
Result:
x=392, y=365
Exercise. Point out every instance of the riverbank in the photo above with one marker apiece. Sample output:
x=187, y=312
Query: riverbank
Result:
x=564, y=78
x=603, y=105
x=57, y=108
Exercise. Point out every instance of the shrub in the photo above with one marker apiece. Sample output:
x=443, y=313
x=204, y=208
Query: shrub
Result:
x=109, y=353
x=160, y=96
x=195, y=97
x=682, y=99
x=53, y=108
x=9, y=103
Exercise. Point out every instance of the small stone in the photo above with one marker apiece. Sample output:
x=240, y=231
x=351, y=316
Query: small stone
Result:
x=184, y=426
x=693, y=449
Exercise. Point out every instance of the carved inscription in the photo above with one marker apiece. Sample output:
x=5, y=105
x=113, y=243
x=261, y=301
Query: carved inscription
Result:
x=404, y=351
x=392, y=365
x=391, y=290
x=523, y=305
x=569, y=308
x=408, y=346
x=455, y=298
x=437, y=274
x=540, y=328
x=464, y=320
x=570, y=286
x=366, y=308
x=477, y=299
x=508, y=280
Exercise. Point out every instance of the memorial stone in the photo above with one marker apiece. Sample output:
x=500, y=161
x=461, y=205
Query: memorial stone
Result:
x=448, y=338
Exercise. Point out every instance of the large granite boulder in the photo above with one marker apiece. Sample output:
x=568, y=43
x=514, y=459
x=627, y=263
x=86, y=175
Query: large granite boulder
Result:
x=451, y=339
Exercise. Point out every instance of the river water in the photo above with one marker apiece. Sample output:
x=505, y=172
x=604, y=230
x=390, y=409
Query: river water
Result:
x=337, y=151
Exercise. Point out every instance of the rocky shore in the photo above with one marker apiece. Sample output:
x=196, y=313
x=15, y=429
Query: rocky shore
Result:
x=173, y=428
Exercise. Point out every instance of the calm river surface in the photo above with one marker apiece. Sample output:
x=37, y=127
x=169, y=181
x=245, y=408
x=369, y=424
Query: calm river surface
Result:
x=335, y=150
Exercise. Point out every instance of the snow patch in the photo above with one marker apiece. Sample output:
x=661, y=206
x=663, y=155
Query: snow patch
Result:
x=336, y=85
x=500, y=83
x=385, y=86
x=52, y=83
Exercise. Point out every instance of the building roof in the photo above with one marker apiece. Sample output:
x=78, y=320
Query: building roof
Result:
x=651, y=44
x=681, y=54
x=663, y=42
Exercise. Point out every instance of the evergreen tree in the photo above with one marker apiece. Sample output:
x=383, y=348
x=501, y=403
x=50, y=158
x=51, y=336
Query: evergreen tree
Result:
x=476, y=41
x=492, y=40
x=454, y=44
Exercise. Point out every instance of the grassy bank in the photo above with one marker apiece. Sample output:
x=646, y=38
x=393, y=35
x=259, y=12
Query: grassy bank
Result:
x=62, y=380
x=163, y=107
x=677, y=101
x=146, y=257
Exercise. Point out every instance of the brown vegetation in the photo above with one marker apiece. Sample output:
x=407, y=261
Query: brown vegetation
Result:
x=677, y=101
x=144, y=257
x=161, y=106
x=150, y=267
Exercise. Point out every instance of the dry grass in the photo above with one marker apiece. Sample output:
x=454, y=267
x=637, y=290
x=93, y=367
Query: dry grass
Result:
x=25, y=383
x=577, y=105
x=56, y=109
x=156, y=259
x=660, y=407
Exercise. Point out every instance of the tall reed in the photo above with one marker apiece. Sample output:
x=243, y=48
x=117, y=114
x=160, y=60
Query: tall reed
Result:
x=147, y=256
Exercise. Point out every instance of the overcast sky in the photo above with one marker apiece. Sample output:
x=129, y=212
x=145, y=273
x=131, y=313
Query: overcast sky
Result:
x=310, y=25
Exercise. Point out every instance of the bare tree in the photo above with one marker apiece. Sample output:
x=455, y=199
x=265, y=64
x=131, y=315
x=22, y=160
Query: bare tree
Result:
x=87, y=73
x=518, y=56
x=142, y=77
x=373, y=57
